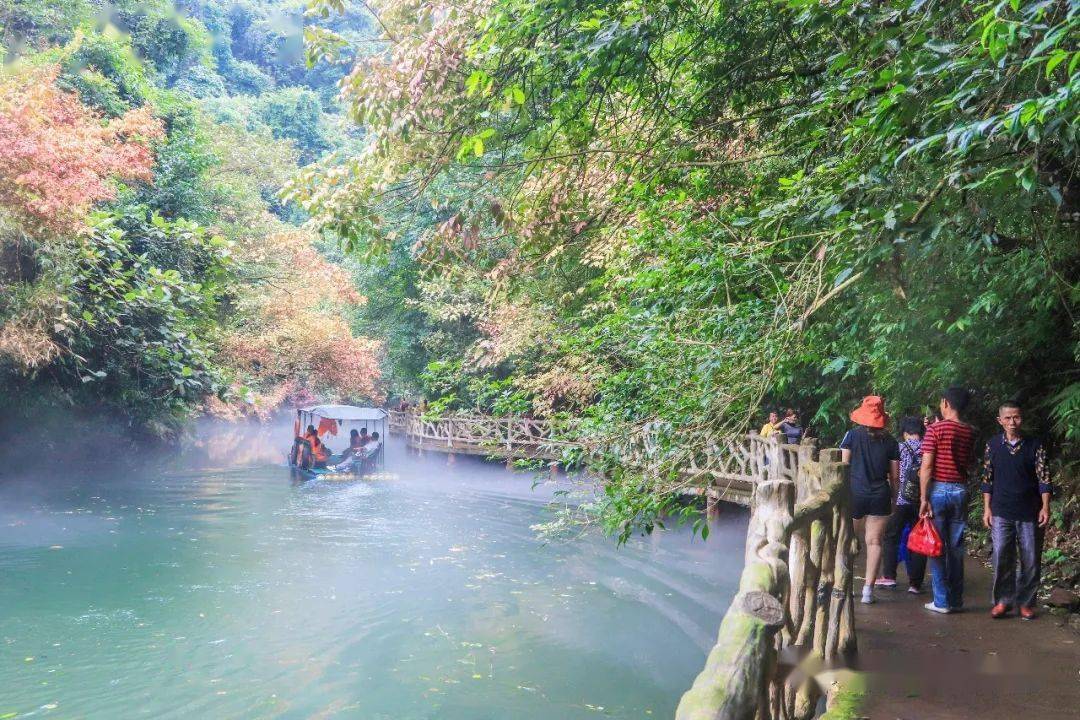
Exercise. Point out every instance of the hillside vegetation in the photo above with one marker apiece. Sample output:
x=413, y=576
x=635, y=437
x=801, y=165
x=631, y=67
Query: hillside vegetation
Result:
x=150, y=267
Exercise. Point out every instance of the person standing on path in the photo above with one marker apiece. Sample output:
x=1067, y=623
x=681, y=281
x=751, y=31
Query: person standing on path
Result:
x=875, y=469
x=1016, y=507
x=948, y=454
x=905, y=511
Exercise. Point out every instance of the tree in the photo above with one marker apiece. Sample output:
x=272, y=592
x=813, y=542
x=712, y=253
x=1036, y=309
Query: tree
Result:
x=57, y=159
x=296, y=114
x=708, y=207
x=137, y=334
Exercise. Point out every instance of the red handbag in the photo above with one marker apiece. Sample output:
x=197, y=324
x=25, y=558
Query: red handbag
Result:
x=924, y=539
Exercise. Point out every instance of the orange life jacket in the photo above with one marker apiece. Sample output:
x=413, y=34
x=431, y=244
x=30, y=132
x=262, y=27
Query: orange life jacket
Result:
x=318, y=450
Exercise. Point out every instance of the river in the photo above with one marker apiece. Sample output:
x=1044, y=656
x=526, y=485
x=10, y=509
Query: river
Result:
x=211, y=585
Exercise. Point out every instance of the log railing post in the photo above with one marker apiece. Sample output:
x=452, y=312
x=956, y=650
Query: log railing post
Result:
x=799, y=551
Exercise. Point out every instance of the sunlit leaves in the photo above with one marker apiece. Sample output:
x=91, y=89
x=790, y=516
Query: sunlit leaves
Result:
x=474, y=144
x=322, y=45
x=57, y=157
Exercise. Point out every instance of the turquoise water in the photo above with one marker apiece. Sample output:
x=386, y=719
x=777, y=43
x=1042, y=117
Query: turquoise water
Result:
x=212, y=586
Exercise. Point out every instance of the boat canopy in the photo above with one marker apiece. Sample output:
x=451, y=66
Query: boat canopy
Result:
x=345, y=413
x=329, y=420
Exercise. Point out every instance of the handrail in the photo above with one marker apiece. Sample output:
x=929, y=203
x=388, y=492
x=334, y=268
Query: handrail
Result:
x=725, y=471
x=796, y=593
x=512, y=437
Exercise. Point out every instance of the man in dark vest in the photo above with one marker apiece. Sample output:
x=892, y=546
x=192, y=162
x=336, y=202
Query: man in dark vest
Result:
x=1016, y=507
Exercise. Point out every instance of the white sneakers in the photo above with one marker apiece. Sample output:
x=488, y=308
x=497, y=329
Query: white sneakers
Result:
x=867, y=595
x=934, y=608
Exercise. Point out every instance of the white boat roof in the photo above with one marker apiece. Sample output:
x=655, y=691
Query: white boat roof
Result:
x=346, y=412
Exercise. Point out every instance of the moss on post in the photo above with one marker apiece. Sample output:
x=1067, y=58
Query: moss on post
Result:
x=733, y=680
x=797, y=577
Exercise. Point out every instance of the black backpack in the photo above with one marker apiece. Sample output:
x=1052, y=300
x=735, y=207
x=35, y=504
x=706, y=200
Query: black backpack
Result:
x=909, y=484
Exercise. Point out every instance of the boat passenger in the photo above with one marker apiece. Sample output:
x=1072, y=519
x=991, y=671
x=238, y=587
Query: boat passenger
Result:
x=356, y=444
x=352, y=456
x=373, y=445
x=301, y=453
x=319, y=453
x=348, y=462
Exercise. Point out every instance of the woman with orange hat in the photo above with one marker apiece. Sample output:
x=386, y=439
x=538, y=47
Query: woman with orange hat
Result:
x=874, y=457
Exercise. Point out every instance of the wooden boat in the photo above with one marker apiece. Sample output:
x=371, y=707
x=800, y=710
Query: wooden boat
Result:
x=337, y=421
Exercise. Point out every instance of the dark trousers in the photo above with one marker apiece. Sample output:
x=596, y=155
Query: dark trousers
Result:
x=916, y=563
x=1008, y=536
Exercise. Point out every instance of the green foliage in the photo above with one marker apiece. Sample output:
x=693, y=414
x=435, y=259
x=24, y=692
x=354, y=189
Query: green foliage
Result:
x=180, y=188
x=139, y=339
x=698, y=210
x=105, y=73
x=391, y=315
x=454, y=389
x=199, y=81
x=296, y=114
x=40, y=22
x=164, y=38
x=133, y=301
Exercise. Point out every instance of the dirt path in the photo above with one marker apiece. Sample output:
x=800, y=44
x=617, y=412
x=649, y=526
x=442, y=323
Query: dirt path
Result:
x=965, y=666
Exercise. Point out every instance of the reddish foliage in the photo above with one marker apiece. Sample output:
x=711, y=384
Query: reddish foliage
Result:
x=296, y=347
x=58, y=158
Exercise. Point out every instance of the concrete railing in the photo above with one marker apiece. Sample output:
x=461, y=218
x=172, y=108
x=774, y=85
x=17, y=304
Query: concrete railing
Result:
x=793, y=616
x=504, y=437
x=719, y=472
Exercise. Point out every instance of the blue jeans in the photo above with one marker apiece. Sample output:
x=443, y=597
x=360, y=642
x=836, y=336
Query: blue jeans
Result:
x=949, y=502
x=1007, y=535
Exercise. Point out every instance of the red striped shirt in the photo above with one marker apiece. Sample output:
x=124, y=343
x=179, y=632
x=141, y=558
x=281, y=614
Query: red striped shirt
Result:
x=953, y=446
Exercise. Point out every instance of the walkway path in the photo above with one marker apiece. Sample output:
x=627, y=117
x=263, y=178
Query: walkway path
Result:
x=965, y=666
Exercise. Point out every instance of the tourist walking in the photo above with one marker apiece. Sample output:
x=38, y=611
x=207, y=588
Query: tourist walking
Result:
x=948, y=454
x=1016, y=507
x=874, y=470
x=905, y=511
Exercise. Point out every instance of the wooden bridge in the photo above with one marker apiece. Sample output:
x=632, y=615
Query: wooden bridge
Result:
x=792, y=623
x=510, y=438
x=721, y=473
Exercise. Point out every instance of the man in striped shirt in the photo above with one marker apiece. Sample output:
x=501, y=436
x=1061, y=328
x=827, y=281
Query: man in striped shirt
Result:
x=948, y=455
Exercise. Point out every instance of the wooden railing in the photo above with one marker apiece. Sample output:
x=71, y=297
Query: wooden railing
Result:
x=719, y=471
x=507, y=437
x=793, y=615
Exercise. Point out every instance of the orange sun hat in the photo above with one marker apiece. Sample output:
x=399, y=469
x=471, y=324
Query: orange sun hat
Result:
x=871, y=412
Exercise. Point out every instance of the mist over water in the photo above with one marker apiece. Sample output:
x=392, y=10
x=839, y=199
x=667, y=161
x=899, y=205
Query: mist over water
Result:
x=210, y=584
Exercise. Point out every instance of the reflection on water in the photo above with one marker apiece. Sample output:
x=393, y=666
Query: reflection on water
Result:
x=215, y=587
